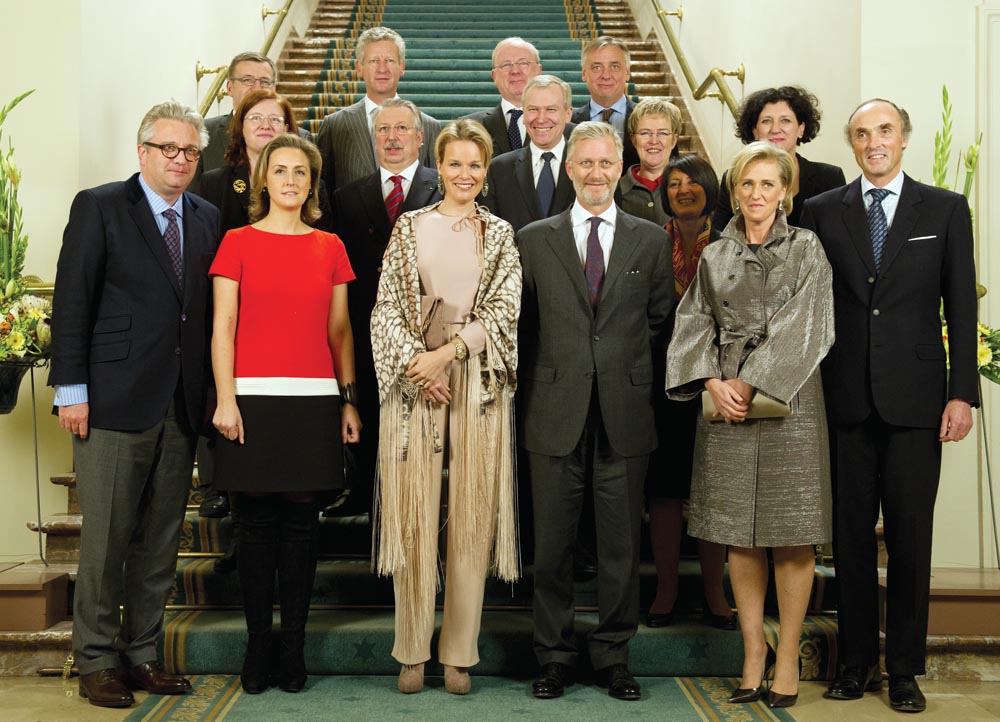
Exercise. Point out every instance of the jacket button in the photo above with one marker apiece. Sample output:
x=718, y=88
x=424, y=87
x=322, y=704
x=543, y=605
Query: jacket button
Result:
x=177, y=351
x=726, y=304
x=379, y=269
x=597, y=338
x=184, y=317
x=871, y=279
x=875, y=312
x=732, y=276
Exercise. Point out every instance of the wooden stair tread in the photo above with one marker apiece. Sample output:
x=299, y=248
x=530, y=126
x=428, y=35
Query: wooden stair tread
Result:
x=59, y=524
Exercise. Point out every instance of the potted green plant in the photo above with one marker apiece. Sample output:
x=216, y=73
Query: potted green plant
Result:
x=25, y=334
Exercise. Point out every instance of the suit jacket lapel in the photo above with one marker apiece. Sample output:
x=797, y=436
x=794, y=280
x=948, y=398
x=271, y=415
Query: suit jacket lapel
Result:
x=526, y=181
x=496, y=125
x=423, y=189
x=621, y=251
x=142, y=215
x=902, y=222
x=563, y=245
x=195, y=230
x=371, y=199
x=855, y=219
x=359, y=126
x=565, y=194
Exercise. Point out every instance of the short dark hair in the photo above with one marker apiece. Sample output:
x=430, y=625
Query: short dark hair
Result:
x=251, y=57
x=804, y=104
x=701, y=172
x=260, y=202
x=236, y=153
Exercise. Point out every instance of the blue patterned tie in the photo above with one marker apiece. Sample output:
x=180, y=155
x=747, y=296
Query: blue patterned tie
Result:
x=172, y=237
x=593, y=269
x=546, y=187
x=513, y=132
x=878, y=226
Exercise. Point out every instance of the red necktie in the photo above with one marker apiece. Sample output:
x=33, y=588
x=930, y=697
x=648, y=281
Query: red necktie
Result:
x=394, y=201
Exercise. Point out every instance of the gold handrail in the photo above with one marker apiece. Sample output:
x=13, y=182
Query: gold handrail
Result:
x=216, y=87
x=716, y=75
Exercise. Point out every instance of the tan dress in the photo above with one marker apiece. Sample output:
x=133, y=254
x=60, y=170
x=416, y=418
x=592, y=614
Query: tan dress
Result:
x=766, y=318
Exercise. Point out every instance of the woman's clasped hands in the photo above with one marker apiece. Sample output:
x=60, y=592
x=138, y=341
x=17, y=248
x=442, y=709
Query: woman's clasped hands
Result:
x=731, y=397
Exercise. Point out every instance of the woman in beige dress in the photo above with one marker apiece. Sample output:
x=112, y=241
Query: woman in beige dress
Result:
x=449, y=401
x=753, y=328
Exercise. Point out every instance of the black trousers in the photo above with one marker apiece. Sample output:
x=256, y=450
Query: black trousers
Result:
x=559, y=486
x=897, y=468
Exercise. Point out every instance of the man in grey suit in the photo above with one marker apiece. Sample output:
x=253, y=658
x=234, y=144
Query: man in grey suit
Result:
x=606, y=69
x=366, y=212
x=130, y=328
x=345, y=136
x=515, y=62
x=587, y=341
x=531, y=183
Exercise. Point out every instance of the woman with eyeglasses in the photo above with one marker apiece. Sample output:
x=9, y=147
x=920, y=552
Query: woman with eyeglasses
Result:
x=653, y=126
x=283, y=359
x=260, y=117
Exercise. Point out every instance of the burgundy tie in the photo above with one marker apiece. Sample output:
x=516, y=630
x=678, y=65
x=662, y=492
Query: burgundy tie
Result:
x=172, y=237
x=594, y=267
x=394, y=201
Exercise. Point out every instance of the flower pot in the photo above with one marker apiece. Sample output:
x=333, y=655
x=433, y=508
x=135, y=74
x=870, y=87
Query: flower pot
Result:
x=11, y=375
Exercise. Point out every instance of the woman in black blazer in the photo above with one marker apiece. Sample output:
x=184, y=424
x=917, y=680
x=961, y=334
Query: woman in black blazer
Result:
x=788, y=117
x=261, y=116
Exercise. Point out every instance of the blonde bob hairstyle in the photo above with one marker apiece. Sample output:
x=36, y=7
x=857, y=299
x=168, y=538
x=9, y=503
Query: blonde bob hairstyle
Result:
x=655, y=108
x=260, y=202
x=464, y=129
x=767, y=151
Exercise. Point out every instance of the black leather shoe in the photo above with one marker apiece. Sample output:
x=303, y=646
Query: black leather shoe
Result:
x=214, y=505
x=552, y=680
x=619, y=681
x=749, y=695
x=721, y=621
x=584, y=567
x=659, y=620
x=905, y=695
x=853, y=682
x=105, y=688
x=776, y=700
x=151, y=677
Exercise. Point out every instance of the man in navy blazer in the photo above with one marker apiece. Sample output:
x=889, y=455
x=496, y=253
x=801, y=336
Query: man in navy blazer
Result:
x=130, y=329
x=598, y=290
x=899, y=249
x=362, y=221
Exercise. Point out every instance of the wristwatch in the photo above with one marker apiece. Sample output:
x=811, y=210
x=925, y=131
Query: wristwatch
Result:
x=349, y=394
x=461, y=350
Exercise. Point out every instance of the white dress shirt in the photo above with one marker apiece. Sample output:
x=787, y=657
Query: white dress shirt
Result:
x=506, y=106
x=580, y=218
x=889, y=203
x=537, y=162
x=407, y=173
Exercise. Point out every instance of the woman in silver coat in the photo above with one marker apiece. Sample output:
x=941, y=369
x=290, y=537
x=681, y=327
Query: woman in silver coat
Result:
x=752, y=329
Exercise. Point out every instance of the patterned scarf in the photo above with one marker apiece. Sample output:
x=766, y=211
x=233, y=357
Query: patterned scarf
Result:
x=684, y=272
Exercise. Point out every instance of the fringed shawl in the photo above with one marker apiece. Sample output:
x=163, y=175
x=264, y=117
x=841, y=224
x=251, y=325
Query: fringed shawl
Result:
x=484, y=519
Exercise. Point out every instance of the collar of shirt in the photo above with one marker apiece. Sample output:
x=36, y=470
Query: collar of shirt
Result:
x=580, y=220
x=506, y=106
x=651, y=185
x=889, y=203
x=407, y=174
x=536, y=159
x=158, y=205
x=620, y=106
x=371, y=105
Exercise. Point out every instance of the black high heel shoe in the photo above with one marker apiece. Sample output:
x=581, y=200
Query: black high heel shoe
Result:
x=776, y=700
x=746, y=695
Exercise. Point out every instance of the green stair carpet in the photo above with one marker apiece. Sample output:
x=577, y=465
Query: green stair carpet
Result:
x=218, y=698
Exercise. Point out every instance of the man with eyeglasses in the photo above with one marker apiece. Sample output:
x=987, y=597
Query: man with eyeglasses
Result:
x=515, y=62
x=597, y=294
x=247, y=71
x=130, y=329
x=345, y=136
x=606, y=71
x=365, y=212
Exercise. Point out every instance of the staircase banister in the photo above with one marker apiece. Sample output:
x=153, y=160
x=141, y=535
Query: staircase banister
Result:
x=716, y=76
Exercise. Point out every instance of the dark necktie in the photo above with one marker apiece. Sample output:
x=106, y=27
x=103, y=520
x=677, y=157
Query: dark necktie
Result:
x=394, y=201
x=546, y=187
x=878, y=227
x=606, y=115
x=513, y=132
x=593, y=269
x=172, y=237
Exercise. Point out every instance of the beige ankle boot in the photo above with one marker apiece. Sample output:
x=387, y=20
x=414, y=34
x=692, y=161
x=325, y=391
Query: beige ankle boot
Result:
x=456, y=679
x=411, y=678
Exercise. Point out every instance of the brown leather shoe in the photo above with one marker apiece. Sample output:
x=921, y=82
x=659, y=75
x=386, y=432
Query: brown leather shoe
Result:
x=151, y=677
x=105, y=688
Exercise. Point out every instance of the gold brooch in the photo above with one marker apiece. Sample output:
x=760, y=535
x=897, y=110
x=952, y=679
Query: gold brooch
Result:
x=239, y=185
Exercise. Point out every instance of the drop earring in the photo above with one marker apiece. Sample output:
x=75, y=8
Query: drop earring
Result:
x=486, y=188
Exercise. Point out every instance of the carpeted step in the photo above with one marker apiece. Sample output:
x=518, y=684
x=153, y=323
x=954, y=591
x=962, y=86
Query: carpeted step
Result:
x=360, y=642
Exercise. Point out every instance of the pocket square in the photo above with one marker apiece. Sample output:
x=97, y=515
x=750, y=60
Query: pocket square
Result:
x=920, y=238
x=633, y=272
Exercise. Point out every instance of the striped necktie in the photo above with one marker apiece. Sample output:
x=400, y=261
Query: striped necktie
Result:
x=878, y=226
x=394, y=201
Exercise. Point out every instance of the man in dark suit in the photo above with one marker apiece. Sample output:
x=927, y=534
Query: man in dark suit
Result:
x=130, y=333
x=531, y=183
x=345, y=136
x=365, y=212
x=606, y=69
x=898, y=249
x=515, y=62
x=587, y=342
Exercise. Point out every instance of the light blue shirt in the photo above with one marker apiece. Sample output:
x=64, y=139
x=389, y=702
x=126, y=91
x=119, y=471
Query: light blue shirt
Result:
x=69, y=394
x=617, y=118
x=889, y=203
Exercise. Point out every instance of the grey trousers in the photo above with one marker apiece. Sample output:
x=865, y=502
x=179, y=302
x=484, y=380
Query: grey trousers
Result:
x=133, y=488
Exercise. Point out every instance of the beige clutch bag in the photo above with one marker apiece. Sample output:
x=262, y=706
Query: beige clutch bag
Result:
x=761, y=407
x=432, y=323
